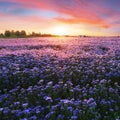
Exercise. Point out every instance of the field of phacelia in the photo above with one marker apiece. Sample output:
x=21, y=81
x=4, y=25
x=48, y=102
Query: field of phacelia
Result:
x=60, y=78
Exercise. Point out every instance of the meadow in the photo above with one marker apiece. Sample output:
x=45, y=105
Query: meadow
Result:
x=72, y=78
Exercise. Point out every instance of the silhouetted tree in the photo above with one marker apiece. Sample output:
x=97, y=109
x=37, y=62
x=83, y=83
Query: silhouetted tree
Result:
x=22, y=33
x=1, y=35
x=7, y=33
x=14, y=34
x=33, y=34
x=17, y=33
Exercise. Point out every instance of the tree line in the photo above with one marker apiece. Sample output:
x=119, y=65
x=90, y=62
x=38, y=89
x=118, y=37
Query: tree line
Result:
x=22, y=34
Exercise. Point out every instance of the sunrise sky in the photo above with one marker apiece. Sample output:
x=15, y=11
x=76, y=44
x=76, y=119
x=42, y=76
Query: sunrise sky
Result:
x=67, y=17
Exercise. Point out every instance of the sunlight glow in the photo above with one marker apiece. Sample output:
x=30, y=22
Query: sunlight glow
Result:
x=60, y=30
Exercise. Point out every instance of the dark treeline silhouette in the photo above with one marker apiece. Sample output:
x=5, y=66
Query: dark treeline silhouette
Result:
x=33, y=34
x=22, y=34
x=14, y=34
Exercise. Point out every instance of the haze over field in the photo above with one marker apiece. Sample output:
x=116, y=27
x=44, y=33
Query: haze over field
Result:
x=61, y=46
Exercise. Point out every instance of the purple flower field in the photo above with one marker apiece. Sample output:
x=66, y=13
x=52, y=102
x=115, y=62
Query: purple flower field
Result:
x=60, y=78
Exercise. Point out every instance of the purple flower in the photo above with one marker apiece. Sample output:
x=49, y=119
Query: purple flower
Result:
x=25, y=105
x=33, y=118
x=92, y=105
x=66, y=101
x=74, y=117
x=90, y=100
x=60, y=117
x=70, y=109
x=26, y=111
x=47, y=98
x=49, y=115
x=1, y=109
x=50, y=83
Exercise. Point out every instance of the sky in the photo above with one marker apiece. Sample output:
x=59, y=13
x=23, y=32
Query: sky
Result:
x=62, y=17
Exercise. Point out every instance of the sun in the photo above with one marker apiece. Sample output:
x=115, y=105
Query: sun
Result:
x=60, y=30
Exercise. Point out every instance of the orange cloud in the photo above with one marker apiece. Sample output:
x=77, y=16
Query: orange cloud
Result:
x=80, y=10
x=98, y=23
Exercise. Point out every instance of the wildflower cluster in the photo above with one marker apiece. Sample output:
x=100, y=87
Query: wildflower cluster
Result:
x=56, y=81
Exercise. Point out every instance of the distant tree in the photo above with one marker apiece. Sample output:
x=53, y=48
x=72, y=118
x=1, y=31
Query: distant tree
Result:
x=22, y=33
x=39, y=34
x=33, y=34
x=7, y=33
x=13, y=34
x=1, y=35
x=17, y=33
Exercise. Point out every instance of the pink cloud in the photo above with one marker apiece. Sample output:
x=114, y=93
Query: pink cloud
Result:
x=81, y=11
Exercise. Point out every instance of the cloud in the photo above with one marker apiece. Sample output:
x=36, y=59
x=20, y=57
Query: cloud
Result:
x=98, y=23
x=88, y=12
x=82, y=11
